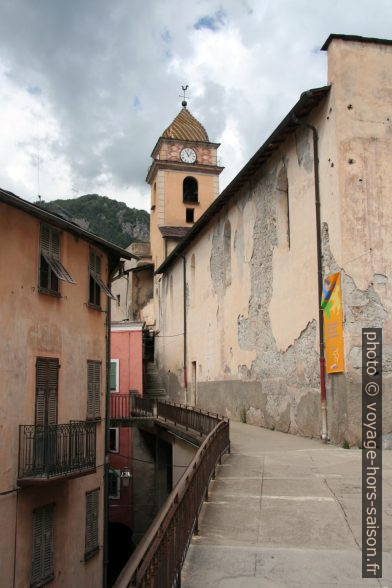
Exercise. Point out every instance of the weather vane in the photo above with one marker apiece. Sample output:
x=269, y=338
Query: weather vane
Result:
x=184, y=97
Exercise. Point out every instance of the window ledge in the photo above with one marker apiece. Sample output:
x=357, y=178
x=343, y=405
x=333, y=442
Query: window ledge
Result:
x=49, y=292
x=90, y=554
x=94, y=306
x=43, y=581
x=96, y=419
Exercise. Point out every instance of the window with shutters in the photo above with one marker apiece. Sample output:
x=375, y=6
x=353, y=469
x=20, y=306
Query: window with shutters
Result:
x=51, y=269
x=91, y=542
x=96, y=284
x=93, y=390
x=46, y=391
x=114, y=375
x=42, y=561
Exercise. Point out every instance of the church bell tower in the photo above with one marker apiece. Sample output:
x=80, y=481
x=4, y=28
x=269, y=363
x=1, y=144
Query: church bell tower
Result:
x=184, y=180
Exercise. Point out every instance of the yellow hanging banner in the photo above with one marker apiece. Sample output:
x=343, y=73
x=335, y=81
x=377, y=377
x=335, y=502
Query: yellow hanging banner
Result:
x=331, y=303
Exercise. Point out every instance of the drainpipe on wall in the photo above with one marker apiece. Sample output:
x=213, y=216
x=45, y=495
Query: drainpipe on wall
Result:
x=107, y=438
x=185, y=326
x=323, y=396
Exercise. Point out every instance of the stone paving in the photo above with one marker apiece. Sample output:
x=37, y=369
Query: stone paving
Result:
x=285, y=511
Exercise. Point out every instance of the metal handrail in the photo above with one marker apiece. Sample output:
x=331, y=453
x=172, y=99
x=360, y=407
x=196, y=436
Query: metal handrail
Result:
x=158, y=558
x=188, y=416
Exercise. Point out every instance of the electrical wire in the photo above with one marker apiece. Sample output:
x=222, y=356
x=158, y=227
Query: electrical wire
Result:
x=165, y=336
x=169, y=465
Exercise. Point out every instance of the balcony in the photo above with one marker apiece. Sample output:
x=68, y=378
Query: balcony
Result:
x=130, y=409
x=55, y=452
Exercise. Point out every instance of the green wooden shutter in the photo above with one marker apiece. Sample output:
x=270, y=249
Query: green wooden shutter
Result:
x=42, y=561
x=113, y=375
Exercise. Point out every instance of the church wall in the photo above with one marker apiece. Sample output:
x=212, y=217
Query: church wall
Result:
x=252, y=305
x=251, y=360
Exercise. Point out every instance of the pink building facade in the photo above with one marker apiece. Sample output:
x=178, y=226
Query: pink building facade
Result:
x=54, y=289
x=126, y=376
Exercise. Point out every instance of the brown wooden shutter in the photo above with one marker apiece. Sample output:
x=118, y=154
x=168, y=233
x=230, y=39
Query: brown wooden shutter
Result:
x=46, y=391
x=48, y=542
x=97, y=390
x=92, y=499
x=42, y=561
x=38, y=524
x=93, y=389
x=40, y=392
x=50, y=250
x=90, y=389
x=54, y=244
x=45, y=239
x=95, y=273
x=53, y=370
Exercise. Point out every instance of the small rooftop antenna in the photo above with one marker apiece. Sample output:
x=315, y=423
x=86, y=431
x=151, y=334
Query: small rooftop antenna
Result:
x=184, y=102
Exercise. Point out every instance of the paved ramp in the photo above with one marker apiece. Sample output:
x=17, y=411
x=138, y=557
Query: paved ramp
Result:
x=285, y=512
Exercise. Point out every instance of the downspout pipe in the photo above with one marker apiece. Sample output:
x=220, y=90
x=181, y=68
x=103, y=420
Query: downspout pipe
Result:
x=323, y=396
x=111, y=272
x=185, y=327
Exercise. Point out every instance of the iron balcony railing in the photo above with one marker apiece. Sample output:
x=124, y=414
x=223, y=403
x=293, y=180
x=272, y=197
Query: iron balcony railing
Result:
x=158, y=559
x=128, y=406
x=54, y=451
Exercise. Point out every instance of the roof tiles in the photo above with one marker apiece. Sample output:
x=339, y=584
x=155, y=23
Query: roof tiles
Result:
x=185, y=127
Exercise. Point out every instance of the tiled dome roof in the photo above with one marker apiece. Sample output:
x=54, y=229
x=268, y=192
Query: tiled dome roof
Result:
x=186, y=128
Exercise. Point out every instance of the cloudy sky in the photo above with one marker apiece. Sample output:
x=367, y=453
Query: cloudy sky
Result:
x=88, y=86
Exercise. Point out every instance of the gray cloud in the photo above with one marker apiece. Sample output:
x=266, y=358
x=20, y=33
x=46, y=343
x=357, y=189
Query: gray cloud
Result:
x=112, y=71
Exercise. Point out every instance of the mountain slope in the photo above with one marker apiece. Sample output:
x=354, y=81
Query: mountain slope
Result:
x=105, y=217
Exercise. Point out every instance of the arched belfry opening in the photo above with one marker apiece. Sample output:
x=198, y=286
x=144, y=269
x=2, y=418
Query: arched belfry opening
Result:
x=190, y=190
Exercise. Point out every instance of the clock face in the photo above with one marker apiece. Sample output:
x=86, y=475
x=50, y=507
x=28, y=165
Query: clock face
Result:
x=188, y=155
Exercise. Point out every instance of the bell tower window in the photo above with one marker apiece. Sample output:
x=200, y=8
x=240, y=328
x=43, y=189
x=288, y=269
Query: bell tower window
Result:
x=190, y=215
x=190, y=190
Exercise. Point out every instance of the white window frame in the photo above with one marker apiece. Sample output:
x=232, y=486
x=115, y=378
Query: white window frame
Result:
x=117, y=440
x=117, y=362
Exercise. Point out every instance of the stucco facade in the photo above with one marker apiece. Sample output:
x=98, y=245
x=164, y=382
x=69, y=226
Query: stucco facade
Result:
x=39, y=326
x=251, y=293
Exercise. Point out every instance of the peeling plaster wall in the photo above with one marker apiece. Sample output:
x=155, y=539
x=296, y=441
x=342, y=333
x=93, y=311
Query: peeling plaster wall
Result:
x=241, y=371
x=357, y=226
x=254, y=338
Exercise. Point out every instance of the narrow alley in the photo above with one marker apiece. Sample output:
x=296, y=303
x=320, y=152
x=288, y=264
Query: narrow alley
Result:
x=285, y=511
